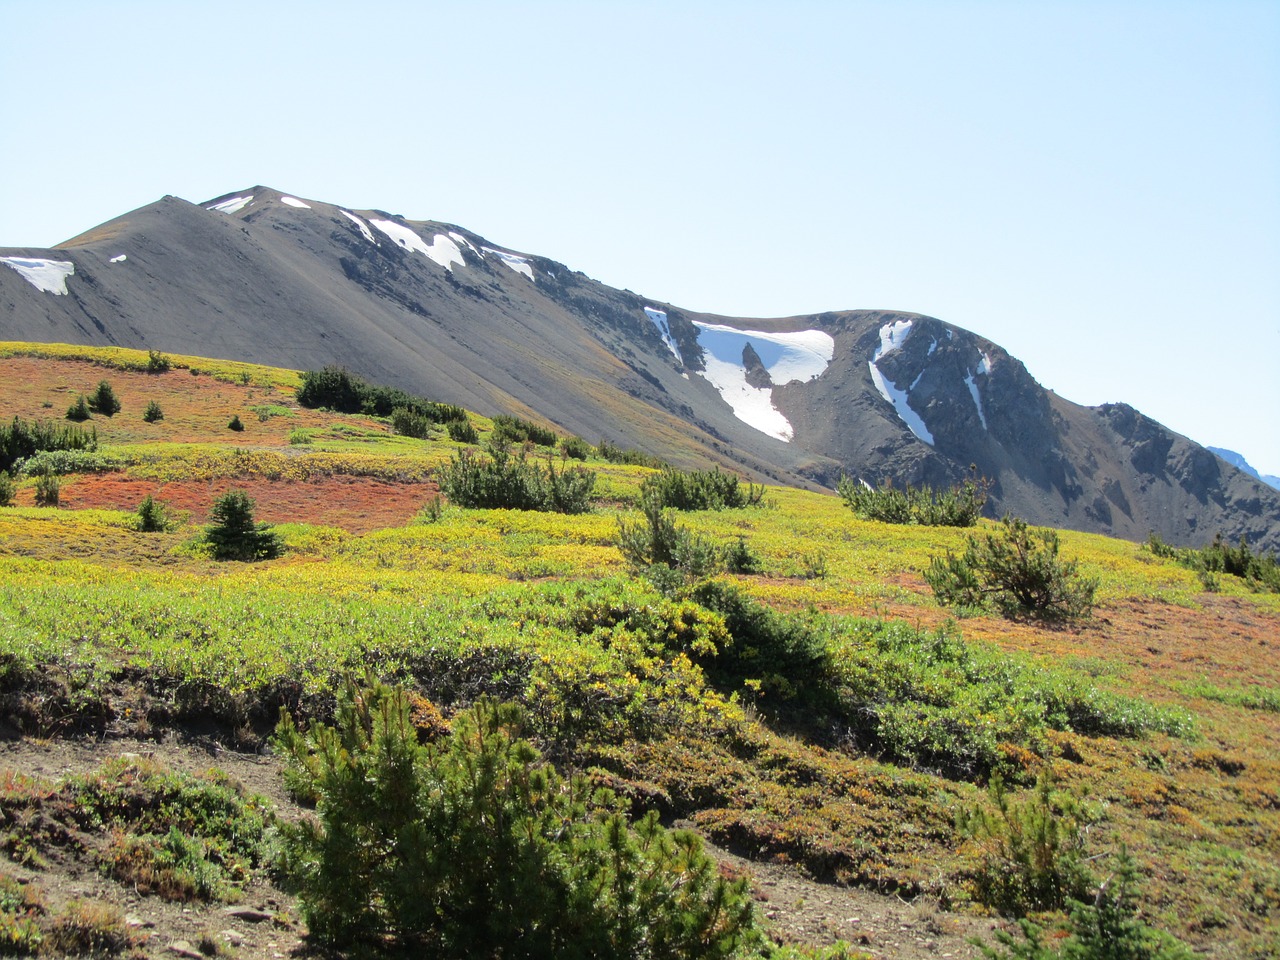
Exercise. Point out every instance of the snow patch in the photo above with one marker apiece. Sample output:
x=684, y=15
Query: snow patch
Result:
x=659, y=318
x=892, y=337
x=518, y=264
x=49, y=276
x=364, y=228
x=441, y=250
x=466, y=243
x=801, y=355
x=120, y=259
x=234, y=205
x=977, y=400
x=985, y=366
x=295, y=202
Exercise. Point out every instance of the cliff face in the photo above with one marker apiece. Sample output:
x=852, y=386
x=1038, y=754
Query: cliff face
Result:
x=439, y=310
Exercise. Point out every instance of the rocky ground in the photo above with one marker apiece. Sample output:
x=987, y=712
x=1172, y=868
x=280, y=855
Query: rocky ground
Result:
x=265, y=923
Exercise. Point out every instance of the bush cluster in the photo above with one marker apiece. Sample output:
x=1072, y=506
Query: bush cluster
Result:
x=21, y=439
x=343, y=391
x=655, y=544
x=1017, y=571
x=103, y=400
x=512, y=481
x=961, y=506
x=509, y=429
x=1260, y=571
x=473, y=846
x=699, y=490
x=628, y=456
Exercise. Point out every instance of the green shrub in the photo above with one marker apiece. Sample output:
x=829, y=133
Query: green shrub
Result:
x=656, y=542
x=630, y=457
x=473, y=846
x=235, y=424
x=1258, y=570
x=961, y=506
x=509, y=429
x=7, y=489
x=157, y=362
x=20, y=439
x=410, y=423
x=461, y=431
x=1105, y=927
x=740, y=558
x=575, y=448
x=153, y=412
x=48, y=490
x=78, y=411
x=234, y=535
x=62, y=462
x=103, y=400
x=1017, y=571
x=700, y=490
x=152, y=517
x=1033, y=851
x=301, y=437
x=340, y=390
x=511, y=481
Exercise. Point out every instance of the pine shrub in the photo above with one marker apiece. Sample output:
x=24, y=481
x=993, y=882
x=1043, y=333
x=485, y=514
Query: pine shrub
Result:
x=655, y=542
x=152, y=517
x=340, y=390
x=961, y=506
x=48, y=490
x=235, y=424
x=461, y=431
x=513, y=482
x=78, y=411
x=471, y=845
x=234, y=535
x=7, y=489
x=1017, y=571
x=157, y=362
x=103, y=400
x=508, y=429
x=153, y=412
x=1261, y=572
x=700, y=490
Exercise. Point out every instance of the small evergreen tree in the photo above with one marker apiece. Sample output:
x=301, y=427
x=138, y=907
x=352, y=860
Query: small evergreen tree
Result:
x=157, y=362
x=7, y=489
x=152, y=516
x=103, y=400
x=235, y=424
x=657, y=542
x=153, y=412
x=233, y=533
x=78, y=411
x=48, y=490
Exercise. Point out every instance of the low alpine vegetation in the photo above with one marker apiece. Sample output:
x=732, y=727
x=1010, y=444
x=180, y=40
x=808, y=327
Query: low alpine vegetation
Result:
x=960, y=506
x=1260, y=571
x=22, y=439
x=1017, y=572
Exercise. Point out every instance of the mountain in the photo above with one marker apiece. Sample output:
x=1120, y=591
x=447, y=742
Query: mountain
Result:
x=1240, y=463
x=439, y=310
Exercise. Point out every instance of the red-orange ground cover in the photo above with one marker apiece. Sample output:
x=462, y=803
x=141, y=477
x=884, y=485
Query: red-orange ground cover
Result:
x=356, y=504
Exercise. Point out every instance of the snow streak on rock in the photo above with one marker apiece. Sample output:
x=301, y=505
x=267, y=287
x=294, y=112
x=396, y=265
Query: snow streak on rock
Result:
x=892, y=337
x=234, y=205
x=295, y=202
x=659, y=319
x=977, y=400
x=364, y=228
x=801, y=355
x=120, y=259
x=518, y=264
x=49, y=276
x=441, y=250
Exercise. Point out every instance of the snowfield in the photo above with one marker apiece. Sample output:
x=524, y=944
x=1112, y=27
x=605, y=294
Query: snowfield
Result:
x=234, y=205
x=798, y=356
x=442, y=250
x=518, y=264
x=295, y=202
x=49, y=276
x=364, y=227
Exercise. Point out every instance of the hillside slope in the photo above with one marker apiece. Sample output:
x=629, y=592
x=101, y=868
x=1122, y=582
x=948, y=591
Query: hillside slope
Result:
x=264, y=277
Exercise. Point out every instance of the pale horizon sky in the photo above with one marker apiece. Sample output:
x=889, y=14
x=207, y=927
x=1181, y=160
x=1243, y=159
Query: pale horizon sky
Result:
x=1095, y=186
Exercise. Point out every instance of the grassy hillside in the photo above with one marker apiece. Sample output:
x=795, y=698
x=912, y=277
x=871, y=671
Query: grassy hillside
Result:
x=823, y=711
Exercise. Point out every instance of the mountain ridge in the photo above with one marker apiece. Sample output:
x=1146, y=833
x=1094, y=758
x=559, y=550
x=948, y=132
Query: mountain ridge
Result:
x=888, y=396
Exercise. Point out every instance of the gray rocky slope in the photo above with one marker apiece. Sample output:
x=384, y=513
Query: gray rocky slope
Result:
x=436, y=309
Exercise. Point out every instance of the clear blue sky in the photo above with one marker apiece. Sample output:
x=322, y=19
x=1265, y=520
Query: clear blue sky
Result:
x=1093, y=185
